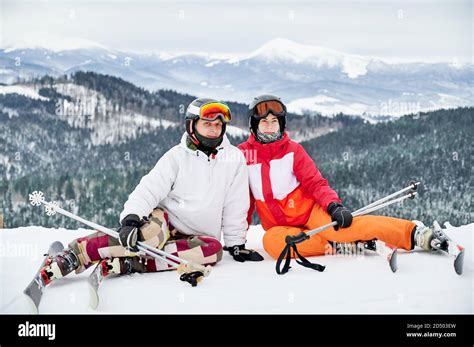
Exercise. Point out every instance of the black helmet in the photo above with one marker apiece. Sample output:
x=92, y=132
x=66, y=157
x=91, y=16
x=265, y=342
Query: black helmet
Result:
x=266, y=104
x=194, y=112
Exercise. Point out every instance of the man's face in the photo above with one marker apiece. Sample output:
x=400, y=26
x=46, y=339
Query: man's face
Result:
x=209, y=129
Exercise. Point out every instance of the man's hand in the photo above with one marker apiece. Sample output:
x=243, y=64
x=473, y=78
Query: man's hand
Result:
x=340, y=214
x=129, y=232
x=240, y=254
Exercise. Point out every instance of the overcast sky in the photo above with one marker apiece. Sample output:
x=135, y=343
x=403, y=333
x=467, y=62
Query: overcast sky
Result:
x=427, y=30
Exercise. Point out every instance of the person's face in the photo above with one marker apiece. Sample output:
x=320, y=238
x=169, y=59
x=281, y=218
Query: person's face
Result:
x=209, y=129
x=269, y=124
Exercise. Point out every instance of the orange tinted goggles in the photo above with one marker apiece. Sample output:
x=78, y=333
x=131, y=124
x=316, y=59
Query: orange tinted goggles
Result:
x=215, y=110
x=265, y=107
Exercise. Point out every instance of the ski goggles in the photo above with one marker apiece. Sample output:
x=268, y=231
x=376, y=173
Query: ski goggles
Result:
x=262, y=109
x=212, y=111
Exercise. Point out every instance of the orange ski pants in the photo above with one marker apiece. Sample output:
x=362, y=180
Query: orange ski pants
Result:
x=394, y=231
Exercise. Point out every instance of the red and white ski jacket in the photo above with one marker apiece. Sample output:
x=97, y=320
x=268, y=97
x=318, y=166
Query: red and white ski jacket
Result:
x=284, y=182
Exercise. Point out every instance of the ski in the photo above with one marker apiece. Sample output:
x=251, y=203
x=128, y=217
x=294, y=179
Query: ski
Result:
x=378, y=247
x=104, y=268
x=95, y=279
x=384, y=250
x=34, y=290
x=442, y=242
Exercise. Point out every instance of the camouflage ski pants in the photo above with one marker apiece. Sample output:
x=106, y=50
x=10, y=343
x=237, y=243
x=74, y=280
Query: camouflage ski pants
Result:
x=157, y=232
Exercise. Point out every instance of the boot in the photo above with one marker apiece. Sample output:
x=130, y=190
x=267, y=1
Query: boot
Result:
x=423, y=236
x=118, y=265
x=59, y=265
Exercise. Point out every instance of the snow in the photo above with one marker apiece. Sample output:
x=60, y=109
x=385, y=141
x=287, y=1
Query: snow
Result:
x=165, y=55
x=48, y=41
x=10, y=111
x=299, y=106
x=22, y=90
x=211, y=58
x=301, y=135
x=212, y=63
x=446, y=101
x=91, y=109
x=424, y=283
x=235, y=131
x=287, y=50
x=330, y=106
x=5, y=71
x=325, y=105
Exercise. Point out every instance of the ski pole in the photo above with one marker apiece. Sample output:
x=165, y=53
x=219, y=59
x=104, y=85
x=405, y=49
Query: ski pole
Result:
x=291, y=241
x=376, y=205
x=190, y=272
x=52, y=209
x=363, y=211
x=412, y=186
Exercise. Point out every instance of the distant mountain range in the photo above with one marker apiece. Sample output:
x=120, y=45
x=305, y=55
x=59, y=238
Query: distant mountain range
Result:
x=309, y=78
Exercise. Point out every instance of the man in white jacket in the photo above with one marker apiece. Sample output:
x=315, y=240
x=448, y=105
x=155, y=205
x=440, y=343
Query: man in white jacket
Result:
x=202, y=184
x=197, y=192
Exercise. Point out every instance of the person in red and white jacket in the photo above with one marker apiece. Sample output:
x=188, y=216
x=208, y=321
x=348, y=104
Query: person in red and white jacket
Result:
x=291, y=196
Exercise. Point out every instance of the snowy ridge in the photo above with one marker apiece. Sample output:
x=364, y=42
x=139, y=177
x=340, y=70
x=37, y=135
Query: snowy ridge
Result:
x=356, y=284
x=22, y=90
x=286, y=50
x=109, y=123
x=51, y=42
x=325, y=105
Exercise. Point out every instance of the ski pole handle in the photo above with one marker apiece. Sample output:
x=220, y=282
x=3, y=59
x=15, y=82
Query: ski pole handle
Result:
x=302, y=236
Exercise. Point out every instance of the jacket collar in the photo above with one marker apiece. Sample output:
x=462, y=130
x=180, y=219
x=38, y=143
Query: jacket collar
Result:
x=269, y=150
x=225, y=143
x=273, y=146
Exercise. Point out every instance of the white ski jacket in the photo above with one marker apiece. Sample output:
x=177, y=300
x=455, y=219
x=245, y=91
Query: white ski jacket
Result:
x=202, y=195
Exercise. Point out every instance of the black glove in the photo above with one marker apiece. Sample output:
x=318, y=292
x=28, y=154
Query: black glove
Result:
x=340, y=214
x=240, y=254
x=129, y=232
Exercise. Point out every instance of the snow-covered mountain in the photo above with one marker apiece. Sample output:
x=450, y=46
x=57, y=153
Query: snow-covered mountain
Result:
x=308, y=78
x=289, y=52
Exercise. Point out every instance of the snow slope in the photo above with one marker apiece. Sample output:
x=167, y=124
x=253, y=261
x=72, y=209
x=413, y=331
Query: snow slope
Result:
x=424, y=283
x=21, y=90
